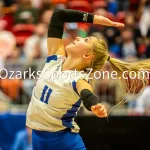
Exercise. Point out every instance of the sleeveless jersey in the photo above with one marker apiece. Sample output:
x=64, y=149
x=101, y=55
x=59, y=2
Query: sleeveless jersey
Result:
x=55, y=100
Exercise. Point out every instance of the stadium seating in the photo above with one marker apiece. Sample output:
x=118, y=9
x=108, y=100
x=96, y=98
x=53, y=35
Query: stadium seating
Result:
x=22, y=32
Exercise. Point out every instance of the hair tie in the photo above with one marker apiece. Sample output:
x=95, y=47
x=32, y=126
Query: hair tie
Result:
x=108, y=58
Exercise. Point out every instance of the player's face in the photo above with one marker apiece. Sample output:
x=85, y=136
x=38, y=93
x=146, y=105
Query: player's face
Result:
x=81, y=46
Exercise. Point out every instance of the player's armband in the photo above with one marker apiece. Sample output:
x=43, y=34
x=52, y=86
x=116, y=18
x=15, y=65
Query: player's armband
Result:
x=89, y=99
x=60, y=16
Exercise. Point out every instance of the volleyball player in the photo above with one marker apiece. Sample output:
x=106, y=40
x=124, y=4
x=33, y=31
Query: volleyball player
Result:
x=55, y=102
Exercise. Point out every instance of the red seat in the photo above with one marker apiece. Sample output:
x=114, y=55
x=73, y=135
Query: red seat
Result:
x=120, y=16
x=79, y=5
x=59, y=1
x=142, y=49
x=22, y=32
x=99, y=4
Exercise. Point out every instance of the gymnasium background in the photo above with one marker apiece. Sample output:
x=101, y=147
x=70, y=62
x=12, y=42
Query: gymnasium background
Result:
x=23, y=31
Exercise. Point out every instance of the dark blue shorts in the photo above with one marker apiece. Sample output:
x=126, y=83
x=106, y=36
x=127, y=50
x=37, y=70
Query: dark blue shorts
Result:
x=61, y=140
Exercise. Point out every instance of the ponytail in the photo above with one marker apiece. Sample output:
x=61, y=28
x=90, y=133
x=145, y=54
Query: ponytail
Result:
x=133, y=76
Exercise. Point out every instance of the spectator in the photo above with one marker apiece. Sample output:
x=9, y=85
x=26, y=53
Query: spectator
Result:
x=123, y=5
x=109, y=32
x=26, y=13
x=35, y=46
x=6, y=20
x=128, y=46
x=7, y=43
x=45, y=5
x=23, y=140
x=143, y=103
x=36, y=3
x=112, y=6
x=46, y=16
x=144, y=23
x=98, y=28
x=16, y=55
x=131, y=22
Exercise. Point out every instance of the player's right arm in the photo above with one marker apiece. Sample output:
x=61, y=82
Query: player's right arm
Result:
x=55, y=32
x=60, y=16
x=90, y=101
x=56, y=26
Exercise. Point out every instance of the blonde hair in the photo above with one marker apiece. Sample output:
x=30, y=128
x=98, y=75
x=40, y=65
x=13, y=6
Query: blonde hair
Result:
x=100, y=51
x=134, y=81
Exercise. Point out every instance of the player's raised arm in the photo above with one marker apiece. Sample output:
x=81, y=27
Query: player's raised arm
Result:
x=90, y=101
x=60, y=16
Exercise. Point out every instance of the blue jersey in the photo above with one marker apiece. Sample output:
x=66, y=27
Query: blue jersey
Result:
x=55, y=100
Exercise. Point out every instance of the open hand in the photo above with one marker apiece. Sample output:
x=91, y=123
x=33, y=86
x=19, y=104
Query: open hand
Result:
x=118, y=24
x=99, y=110
x=107, y=22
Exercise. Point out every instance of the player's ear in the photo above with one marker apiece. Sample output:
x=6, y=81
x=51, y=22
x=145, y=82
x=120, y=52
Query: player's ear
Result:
x=87, y=56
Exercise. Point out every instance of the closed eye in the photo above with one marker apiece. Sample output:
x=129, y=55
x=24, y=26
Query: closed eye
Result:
x=86, y=40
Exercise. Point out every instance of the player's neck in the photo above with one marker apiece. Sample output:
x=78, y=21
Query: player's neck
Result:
x=72, y=64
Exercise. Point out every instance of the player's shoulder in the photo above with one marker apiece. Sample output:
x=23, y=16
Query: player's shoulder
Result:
x=54, y=58
x=78, y=75
x=53, y=62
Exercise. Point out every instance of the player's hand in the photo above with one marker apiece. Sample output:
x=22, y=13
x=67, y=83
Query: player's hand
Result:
x=99, y=110
x=117, y=24
x=107, y=22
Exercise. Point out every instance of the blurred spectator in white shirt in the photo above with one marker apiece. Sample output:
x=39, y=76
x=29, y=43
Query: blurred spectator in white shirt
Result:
x=144, y=23
x=36, y=3
x=7, y=43
x=143, y=102
x=36, y=45
x=144, y=13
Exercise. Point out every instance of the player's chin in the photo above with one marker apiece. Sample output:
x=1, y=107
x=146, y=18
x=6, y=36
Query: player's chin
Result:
x=71, y=49
x=102, y=116
x=69, y=46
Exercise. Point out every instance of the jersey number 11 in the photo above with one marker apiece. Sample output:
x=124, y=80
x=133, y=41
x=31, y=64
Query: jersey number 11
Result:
x=45, y=97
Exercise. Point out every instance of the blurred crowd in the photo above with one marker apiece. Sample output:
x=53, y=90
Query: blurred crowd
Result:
x=23, y=33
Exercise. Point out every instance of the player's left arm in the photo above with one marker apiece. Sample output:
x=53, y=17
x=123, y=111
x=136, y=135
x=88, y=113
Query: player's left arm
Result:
x=90, y=101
